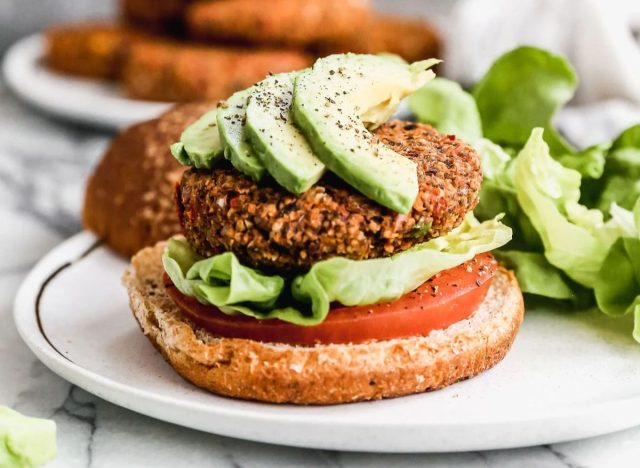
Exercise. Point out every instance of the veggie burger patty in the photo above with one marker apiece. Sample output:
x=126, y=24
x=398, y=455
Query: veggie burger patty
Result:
x=270, y=228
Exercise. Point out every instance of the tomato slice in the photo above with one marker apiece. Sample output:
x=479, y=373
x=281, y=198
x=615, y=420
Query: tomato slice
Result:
x=445, y=299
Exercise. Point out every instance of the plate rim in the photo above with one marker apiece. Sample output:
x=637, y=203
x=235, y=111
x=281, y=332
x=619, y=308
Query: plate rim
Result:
x=151, y=404
x=24, y=55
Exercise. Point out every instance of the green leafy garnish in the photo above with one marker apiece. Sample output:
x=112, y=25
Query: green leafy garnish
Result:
x=25, y=442
x=444, y=104
x=522, y=90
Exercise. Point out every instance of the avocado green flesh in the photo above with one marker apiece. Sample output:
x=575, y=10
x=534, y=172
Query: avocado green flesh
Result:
x=279, y=144
x=333, y=104
x=199, y=144
x=231, y=124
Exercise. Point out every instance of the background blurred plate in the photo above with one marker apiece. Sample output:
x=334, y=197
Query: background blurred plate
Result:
x=91, y=102
x=86, y=101
x=568, y=376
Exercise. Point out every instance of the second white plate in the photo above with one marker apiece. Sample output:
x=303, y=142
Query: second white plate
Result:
x=568, y=376
x=91, y=102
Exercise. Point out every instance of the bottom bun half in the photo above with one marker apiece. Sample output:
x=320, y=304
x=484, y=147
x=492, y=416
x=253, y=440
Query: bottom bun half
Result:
x=328, y=373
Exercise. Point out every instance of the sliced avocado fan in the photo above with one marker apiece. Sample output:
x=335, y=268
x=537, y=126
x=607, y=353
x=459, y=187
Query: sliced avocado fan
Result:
x=281, y=147
x=335, y=103
x=231, y=118
x=199, y=144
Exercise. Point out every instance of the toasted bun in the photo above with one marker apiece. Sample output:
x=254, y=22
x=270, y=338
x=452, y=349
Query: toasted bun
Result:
x=129, y=201
x=322, y=374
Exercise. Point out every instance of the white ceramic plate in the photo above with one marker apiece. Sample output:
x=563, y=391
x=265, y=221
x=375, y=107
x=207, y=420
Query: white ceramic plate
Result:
x=568, y=376
x=91, y=102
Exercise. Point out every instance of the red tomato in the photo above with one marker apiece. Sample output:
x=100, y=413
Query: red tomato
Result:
x=445, y=299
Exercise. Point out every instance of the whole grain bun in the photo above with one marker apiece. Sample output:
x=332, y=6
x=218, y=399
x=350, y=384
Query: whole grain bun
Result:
x=129, y=200
x=322, y=374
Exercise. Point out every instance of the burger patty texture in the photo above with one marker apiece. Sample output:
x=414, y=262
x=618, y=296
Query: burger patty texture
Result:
x=270, y=228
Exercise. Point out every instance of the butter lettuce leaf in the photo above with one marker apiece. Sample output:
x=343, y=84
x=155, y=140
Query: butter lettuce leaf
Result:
x=537, y=276
x=618, y=288
x=494, y=161
x=621, y=183
x=224, y=282
x=351, y=282
x=562, y=249
x=450, y=109
x=199, y=144
x=589, y=162
x=25, y=441
x=546, y=190
x=522, y=90
x=498, y=196
x=619, y=189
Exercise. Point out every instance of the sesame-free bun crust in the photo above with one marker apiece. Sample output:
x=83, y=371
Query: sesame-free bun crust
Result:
x=322, y=374
x=129, y=200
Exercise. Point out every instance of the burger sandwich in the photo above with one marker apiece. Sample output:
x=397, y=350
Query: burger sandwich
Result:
x=328, y=255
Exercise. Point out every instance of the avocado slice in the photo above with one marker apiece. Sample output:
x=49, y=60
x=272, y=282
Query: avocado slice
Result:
x=231, y=118
x=199, y=144
x=279, y=144
x=338, y=100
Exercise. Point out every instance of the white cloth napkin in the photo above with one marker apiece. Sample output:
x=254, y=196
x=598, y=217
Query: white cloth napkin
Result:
x=597, y=36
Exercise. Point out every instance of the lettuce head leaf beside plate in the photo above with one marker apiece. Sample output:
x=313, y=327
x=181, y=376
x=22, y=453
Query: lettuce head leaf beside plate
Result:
x=546, y=191
x=25, y=441
x=449, y=108
x=523, y=89
x=621, y=180
x=621, y=295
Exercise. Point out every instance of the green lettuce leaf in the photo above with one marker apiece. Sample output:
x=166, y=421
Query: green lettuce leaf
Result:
x=372, y=281
x=25, y=441
x=224, y=282
x=199, y=144
x=573, y=249
x=494, y=160
x=618, y=287
x=589, y=162
x=236, y=289
x=622, y=171
x=545, y=189
x=537, y=276
x=619, y=189
x=450, y=109
x=498, y=196
x=523, y=89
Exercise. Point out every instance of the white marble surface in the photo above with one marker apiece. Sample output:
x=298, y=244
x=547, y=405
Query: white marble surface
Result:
x=43, y=165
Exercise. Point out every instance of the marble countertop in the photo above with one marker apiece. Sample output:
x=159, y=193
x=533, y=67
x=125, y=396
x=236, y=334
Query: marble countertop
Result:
x=43, y=166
